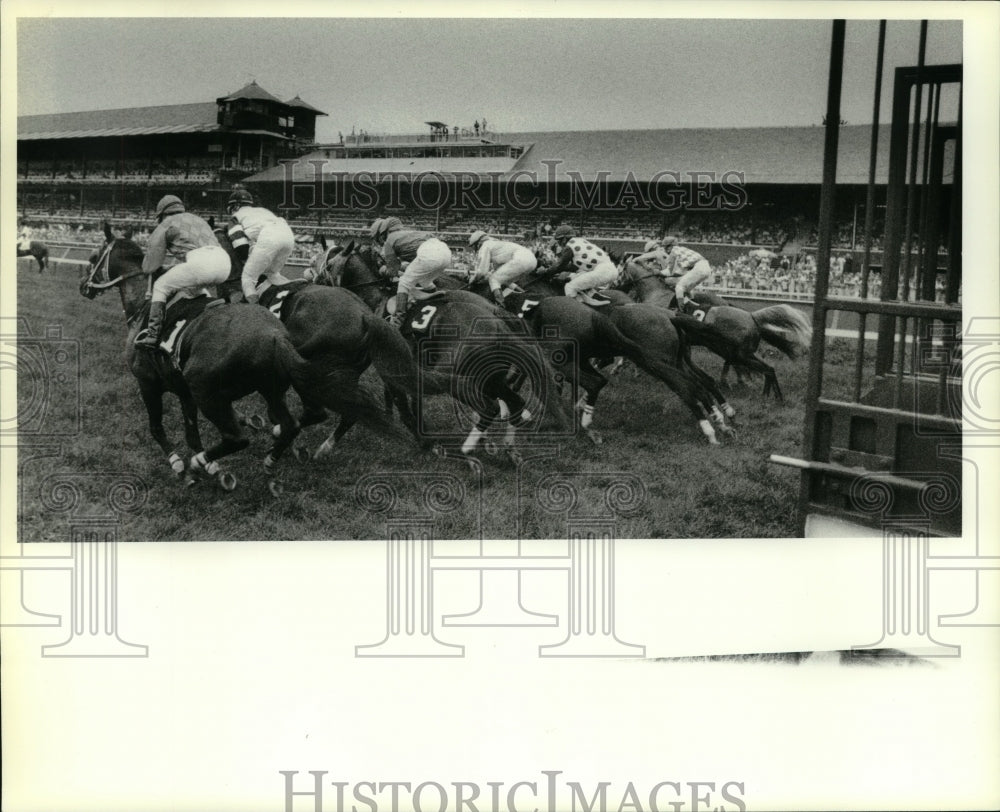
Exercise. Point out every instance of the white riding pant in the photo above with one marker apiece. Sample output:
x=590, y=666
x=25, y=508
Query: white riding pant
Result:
x=274, y=246
x=523, y=262
x=689, y=281
x=432, y=258
x=600, y=277
x=205, y=266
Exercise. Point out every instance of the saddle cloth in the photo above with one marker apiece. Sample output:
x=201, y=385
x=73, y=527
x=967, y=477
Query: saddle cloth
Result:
x=178, y=318
x=275, y=296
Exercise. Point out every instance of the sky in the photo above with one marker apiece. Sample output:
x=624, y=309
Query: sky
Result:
x=391, y=75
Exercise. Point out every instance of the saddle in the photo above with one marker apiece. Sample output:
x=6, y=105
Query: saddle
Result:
x=273, y=297
x=693, y=308
x=595, y=300
x=176, y=320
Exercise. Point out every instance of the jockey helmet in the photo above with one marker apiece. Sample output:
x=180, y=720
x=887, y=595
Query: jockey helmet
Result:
x=169, y=204
x=239, y=197
x=669, y=241
x=375, y=228
x=391, y=224
x=649, y=246
x=476, y=237
x=564, y=232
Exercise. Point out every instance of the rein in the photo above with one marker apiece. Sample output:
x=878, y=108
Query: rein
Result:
x=105, y=259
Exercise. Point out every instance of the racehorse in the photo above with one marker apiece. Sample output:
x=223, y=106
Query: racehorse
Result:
x=38, y=250
x=225, y=353
x=781, y=326
x=643, y=334
x=332, y=326
x=464, y=347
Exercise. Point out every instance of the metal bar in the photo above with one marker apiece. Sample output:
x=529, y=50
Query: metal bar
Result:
x=870, y=203
x=826, y=207
x=923, y=309
x=911, y=190
x=954, y=277
x=846, y=473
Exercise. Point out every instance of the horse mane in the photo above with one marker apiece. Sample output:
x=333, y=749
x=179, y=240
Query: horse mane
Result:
x=129, y=250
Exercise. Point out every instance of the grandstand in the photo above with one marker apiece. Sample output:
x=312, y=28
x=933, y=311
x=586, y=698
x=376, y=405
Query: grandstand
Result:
x=720, y=188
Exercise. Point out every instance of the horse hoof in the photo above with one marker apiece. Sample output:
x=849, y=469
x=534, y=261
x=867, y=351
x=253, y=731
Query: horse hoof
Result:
x=275, y=487
x=438, y=451
x=255, y=421
x=301, y=453
x=595, y=438
x=227, y=481
x=490, y=447
x=189, y=480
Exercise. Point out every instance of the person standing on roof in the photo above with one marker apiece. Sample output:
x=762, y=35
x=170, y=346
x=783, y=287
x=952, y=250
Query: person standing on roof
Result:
x=427, y=256
x=501, y=262
x=692, y=267
x=589, y=265
x=187, y=244
x=261, y=239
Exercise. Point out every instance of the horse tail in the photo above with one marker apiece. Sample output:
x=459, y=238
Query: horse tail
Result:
x=696, y=333
x=334, y=387
x=394, y=362
x=785, y=328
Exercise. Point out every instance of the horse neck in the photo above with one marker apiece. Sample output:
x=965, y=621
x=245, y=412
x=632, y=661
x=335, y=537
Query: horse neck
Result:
x=650, y=289
x=133, y=293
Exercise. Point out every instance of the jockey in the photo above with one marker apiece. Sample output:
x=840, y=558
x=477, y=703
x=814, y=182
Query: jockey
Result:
x=271, y=239
x=654, y=257
x=24, y=237
x=427, y=257
x=692, y=267
x=590, y=266
x=500, y=261
x=195, y=257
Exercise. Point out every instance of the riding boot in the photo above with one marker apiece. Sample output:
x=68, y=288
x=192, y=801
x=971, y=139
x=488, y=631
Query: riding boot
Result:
x=151, y=338
x=498, y=297
x=402, y=302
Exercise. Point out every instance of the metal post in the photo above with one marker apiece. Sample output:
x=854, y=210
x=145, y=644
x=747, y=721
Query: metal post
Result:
x=826, y=207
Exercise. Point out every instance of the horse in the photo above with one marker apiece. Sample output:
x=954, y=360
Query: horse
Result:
x=640, y=333
x=463, y=346
x=332, y=326
x=781, y=326
x=225, y=353
x=38, y=250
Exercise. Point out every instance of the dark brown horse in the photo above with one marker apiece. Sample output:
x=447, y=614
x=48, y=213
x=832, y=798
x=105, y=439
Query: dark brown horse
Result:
x=225, y=353
x=781, y=326
x=38, y=250
x=333, y=328
x=464, y=347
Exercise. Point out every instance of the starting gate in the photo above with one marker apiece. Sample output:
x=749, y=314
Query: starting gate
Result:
x=882, y=445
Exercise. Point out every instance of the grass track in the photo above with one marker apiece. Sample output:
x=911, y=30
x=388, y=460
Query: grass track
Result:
x=692, y=490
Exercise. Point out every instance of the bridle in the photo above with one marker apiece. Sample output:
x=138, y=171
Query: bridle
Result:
x=103, y=262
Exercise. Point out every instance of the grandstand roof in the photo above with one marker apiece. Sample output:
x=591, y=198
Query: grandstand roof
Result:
x=251, y=91
x=765, y=155
x=165, y=118
x=298, y=102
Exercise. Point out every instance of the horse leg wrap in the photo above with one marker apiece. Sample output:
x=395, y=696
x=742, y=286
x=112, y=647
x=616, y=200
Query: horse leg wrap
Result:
x=582, y=402
x=708, y=431
x=176, y=463
x=276, y=430
x=504, y=410
x=472, y=440
x=588, y=416
x=728, y=411
x=200, y=463
x=717, y=416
